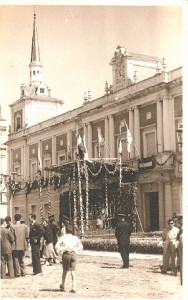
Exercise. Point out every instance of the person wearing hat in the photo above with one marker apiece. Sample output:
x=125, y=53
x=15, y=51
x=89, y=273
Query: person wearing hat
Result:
x=123, y=232
x=21, y=232
x=35, y=235
x=55, y=230
x=69, y=245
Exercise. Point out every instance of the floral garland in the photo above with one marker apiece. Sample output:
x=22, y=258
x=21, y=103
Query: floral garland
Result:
x=49, y=193
x=40, y=193
x=74, y=197
x=111, y=172
x=87, y=195
x=80, y=197
x=106, y=194
x=69, y=183
x=98, y=172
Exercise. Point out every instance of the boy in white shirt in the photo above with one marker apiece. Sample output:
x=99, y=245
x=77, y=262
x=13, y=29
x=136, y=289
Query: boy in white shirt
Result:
x=69, y=245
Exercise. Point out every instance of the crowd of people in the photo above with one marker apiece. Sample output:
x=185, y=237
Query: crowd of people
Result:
x=46, y=241
x=60, y=245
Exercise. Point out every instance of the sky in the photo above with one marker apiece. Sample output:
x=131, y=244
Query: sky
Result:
x=77, y=44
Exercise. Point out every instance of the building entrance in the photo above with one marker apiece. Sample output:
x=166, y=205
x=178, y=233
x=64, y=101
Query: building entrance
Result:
x=152, y=211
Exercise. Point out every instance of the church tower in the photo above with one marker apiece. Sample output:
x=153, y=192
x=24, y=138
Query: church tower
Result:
x=35, y=104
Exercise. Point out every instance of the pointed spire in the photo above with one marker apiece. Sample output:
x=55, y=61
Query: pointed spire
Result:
x=35, y=64
x=35, y=53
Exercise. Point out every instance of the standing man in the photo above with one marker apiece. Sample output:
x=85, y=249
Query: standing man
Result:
x=6, y=239
x=21, y=232
x=123, y=232
x=170, y=243
x=55, y=231
x=35, y=234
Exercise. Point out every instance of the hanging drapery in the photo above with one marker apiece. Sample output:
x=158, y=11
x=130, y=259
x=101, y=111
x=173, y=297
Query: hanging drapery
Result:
x=80, y=198
x=74, y=197
x=87, y=195
x=49, y=193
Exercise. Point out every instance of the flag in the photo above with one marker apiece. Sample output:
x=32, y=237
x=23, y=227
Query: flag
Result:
x=39, y=159
x=100, y=137
x=129, y=139
x=80, y=147
x=85, y=149
x=120, y=147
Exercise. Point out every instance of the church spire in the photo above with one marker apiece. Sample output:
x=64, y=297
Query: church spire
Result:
x=35, y=64
x=35, y=53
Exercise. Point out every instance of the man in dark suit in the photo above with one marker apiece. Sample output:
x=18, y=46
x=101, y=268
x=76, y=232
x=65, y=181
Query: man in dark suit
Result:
x=35, y=234
x=123, y=232
x=6, y=239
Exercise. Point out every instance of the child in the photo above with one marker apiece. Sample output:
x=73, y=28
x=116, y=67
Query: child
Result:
x=69, y=245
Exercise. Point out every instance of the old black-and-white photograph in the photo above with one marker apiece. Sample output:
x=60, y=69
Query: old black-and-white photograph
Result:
x=91, y=143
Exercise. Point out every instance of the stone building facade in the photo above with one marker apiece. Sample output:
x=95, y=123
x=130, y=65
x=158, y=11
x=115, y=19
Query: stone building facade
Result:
x=151, y=109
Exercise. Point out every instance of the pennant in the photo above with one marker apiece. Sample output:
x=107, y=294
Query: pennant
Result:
x=120, y=147
x=100, y=137
x=86, y=157
x=129, y=139
x=80, y=147
x=39, y=159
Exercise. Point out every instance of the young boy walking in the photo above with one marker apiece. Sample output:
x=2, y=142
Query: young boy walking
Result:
x=69, y=245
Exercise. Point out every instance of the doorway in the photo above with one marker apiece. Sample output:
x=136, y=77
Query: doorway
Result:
x=152, y=211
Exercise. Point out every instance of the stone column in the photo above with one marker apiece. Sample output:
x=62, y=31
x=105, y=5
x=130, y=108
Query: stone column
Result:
x=89, y=136
x=137, y=132
x=53, y=162
x=166, y=124
x=159, y=125
x=161, y=206
x=131, y=129
x=172, y=125
x=111, y=136
x=69, y=145
x=106, y=137
x=168, y=200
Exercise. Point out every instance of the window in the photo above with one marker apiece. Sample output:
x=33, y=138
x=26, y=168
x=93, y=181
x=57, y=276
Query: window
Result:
x=45, y=210
x=61, y=156
x=16, y=210
x=149, y=140
x=33, y=209
x=97, y=149
x=33, y=170
x=47, y=163
x=42, y=90
x=124, y=155
x=148, y=115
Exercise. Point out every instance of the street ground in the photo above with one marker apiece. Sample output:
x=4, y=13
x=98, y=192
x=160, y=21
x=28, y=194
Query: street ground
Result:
x=99, y=275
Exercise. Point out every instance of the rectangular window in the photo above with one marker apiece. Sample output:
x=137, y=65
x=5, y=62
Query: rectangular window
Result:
x=150, y=144
x=33, y=209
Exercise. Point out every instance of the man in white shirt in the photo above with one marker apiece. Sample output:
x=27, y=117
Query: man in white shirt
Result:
x=69, y=245
x=170, y=243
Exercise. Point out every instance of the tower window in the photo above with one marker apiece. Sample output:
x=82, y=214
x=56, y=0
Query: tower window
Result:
x=34, y=73
x=42, y=90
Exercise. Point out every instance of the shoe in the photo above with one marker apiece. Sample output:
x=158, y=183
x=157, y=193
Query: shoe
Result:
x=73, y=291
x=46, y=263
x=61, y=288
x=38, y=274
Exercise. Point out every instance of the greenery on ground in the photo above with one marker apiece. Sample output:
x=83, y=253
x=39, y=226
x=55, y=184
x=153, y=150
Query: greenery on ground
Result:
x=104, y=240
